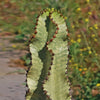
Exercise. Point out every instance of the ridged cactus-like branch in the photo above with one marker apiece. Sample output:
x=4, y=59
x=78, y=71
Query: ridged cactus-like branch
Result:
x=47, y=77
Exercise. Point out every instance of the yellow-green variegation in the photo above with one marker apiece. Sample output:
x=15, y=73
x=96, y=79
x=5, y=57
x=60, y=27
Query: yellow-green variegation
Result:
x=47, y=78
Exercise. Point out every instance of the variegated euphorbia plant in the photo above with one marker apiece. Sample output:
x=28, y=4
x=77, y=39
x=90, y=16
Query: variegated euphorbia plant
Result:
x=47, y=77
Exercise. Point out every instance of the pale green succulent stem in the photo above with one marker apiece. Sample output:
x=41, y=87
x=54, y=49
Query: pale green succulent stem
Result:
x=46, y=78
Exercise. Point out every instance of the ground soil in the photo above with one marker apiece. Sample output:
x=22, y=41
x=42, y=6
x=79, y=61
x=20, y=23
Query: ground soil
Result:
x=12, y=79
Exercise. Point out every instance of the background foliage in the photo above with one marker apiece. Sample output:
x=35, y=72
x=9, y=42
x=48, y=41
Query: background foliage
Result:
x=83, y=21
